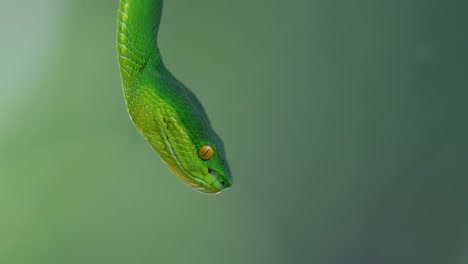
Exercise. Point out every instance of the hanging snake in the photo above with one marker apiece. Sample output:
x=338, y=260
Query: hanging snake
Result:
x=165, y=112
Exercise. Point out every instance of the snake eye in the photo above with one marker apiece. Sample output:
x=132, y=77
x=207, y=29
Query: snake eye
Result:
x=206, y=152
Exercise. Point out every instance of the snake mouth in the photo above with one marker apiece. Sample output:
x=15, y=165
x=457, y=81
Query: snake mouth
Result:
x=204, y=187
x=211, y=183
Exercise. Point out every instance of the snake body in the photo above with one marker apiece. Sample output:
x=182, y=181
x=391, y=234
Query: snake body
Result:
x=165, y=112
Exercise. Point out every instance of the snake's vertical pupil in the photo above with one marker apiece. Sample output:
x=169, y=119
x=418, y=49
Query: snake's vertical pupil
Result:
x=206, y=152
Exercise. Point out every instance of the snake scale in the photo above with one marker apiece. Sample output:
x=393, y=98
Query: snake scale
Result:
x=165, y=112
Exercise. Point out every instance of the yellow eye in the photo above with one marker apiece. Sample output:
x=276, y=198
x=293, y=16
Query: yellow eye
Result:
x=206, y=152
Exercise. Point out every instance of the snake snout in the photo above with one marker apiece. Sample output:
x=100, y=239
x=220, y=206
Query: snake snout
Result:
x=221, y=182
x=225, y=184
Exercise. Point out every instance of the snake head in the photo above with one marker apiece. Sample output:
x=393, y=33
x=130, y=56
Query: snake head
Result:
x=217, y=175
x=208, y=172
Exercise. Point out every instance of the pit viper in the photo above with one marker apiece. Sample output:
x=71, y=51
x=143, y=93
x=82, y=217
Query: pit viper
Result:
x=164, y=111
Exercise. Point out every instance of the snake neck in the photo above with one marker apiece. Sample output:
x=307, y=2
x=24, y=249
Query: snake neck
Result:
x=137, y=45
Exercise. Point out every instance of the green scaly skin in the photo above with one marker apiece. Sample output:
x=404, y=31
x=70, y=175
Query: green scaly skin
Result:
x=166, y=113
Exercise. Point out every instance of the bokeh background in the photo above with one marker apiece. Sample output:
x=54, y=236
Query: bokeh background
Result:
x=345, y=124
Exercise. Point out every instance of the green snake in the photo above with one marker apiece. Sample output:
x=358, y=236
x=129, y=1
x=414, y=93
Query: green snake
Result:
x=165, y=112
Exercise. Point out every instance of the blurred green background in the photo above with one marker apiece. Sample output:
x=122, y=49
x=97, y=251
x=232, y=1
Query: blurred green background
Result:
x=345, y=124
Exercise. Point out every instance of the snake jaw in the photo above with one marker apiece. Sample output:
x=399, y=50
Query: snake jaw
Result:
x=206, y=183
x=204, y=187
x=211, y=183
